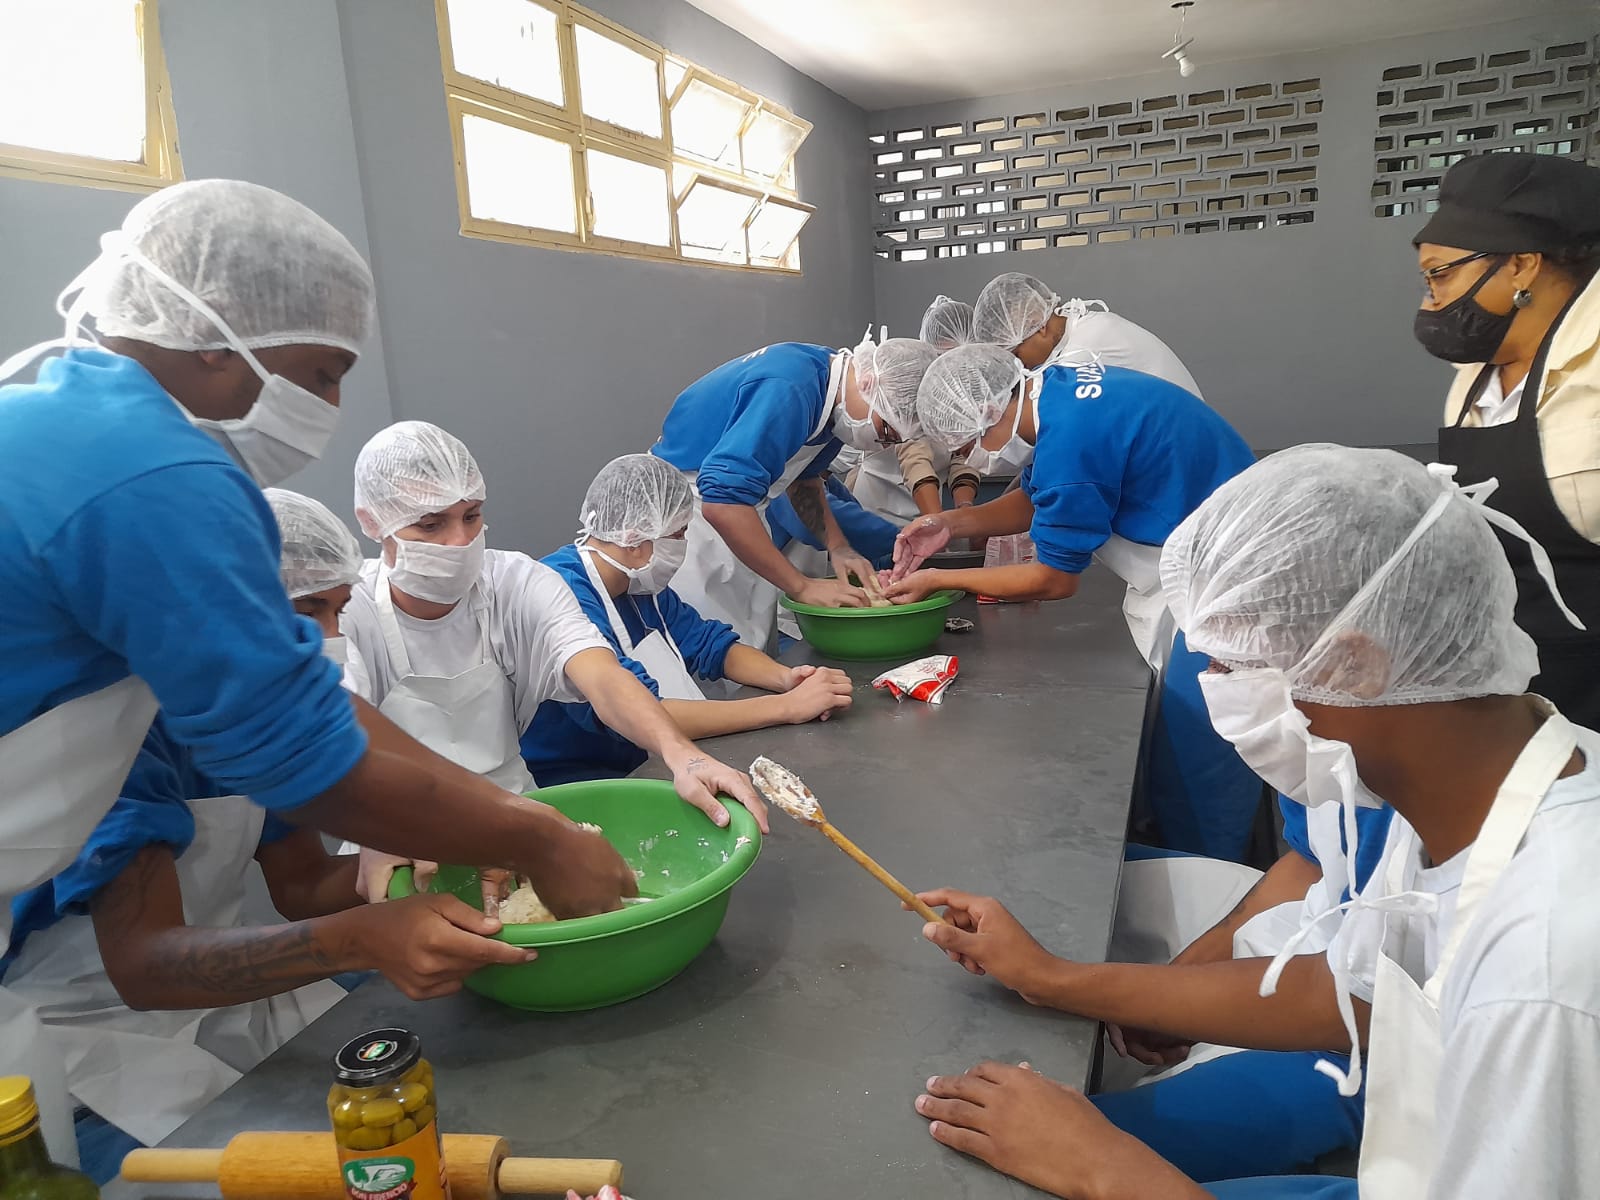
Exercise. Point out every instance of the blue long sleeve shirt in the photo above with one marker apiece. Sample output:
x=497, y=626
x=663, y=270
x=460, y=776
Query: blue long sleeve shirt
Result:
x=1121, y=452
x=741, y=424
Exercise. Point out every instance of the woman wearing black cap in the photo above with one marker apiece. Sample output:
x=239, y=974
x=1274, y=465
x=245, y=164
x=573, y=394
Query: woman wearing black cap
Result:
x=1509, y=266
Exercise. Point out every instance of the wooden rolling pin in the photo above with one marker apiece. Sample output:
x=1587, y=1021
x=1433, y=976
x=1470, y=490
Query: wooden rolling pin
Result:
x=305, y=1166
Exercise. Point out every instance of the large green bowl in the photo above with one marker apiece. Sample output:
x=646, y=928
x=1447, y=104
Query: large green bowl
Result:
x=869, y=633
x=685, y=864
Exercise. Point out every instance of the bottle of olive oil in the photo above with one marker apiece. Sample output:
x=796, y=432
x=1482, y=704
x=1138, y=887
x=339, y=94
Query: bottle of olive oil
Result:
x=26, y=1172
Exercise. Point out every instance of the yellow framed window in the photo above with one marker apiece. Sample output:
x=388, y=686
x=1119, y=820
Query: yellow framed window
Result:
x=572, y=132
x=113, y=127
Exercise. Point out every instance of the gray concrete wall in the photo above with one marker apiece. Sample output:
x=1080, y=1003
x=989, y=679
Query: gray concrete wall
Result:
x=260, y=94
x=546, y=362
x=1296, y=334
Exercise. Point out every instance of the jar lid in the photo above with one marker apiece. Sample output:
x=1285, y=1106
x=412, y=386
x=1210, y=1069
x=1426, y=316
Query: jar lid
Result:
x=18, y=1108
x=380, y=1056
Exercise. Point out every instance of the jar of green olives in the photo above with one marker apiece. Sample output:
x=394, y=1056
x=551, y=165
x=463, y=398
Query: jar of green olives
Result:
x=383, y=1108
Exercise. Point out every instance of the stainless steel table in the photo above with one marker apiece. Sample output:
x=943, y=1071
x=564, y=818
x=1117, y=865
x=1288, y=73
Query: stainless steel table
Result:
x=784, y=1061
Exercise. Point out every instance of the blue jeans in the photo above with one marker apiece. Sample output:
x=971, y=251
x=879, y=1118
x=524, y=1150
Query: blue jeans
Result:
x=1285, y=1187
x=1203, y=797
x=1254, y=1113
x=101, y=1146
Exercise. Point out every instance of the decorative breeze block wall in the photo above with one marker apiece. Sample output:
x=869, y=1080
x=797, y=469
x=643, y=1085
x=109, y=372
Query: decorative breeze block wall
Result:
x=1539, y=100
x=1182, y=163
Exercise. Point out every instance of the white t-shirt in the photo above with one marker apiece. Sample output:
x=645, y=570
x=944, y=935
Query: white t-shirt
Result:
x=1519, y=1088
x=535, y=626
x=1121, y=343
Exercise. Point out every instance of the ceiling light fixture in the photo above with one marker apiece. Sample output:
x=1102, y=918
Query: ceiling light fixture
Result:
x=1179, y=53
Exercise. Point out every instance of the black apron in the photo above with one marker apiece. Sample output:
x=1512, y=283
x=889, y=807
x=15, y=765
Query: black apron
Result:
x=1569, y=658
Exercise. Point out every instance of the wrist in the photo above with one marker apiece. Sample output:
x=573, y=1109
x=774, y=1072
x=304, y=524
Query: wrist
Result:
x=346, y=940
x=680, y=758
x=1048, y=981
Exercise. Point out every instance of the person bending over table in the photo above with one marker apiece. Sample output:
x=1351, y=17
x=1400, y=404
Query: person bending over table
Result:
x=1112, y=461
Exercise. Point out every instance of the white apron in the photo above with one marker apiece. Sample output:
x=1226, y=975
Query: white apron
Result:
x=62, y=771
x=469, y=718
x=148, y=1072
x=714, y=582
x=1399, y=1141
x=1167, y=901
x=656, y=652
x=1144, y=605
x=880, y=486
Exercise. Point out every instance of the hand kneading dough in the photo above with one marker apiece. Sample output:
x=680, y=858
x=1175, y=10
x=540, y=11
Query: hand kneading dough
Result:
x=523, y=906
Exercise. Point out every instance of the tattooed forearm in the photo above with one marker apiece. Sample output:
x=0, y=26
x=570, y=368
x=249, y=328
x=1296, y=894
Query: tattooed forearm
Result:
x=157, y=961
x=230, y=965
x=810, y=501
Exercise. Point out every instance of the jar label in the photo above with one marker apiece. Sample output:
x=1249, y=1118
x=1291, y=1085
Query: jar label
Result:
x=409, y=1170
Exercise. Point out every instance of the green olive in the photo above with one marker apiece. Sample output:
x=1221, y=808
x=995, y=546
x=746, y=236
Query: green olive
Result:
x=366, y=1138
x=423, y=1117
x=412, y=1096
x=347, y=1115
x=380, y=1114
x=403, y=1128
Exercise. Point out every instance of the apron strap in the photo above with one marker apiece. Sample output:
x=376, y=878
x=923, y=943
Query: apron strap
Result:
x=1538, y=767
x=617, y=625
x=666, y=634
x=390, y=625
x=1476, y=390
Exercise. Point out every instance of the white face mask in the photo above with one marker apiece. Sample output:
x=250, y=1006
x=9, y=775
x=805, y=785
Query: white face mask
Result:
x=860, y=434
x=336, y=649
x=442, y=574
x=286, y=428
x=666, y=556
x=1016, y=454
x=1254, y=710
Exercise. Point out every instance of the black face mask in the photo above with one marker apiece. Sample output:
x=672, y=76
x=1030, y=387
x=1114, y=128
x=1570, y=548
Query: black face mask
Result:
x=1463, y=331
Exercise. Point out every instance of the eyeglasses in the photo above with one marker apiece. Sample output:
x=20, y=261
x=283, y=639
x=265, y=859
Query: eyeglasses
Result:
x=889, y=437
x=1443, y=269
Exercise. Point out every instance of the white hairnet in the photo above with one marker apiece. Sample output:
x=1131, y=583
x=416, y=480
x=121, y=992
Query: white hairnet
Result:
x=1011, y=309
x=319, y=551
x=965, y=392
x=637, y=498
x=1317, y=561
x=409, y=470
x=277, y=273
x=888, y=374
x=947, y=324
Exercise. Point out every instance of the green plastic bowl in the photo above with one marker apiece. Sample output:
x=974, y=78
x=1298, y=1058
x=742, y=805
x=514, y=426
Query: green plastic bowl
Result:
x=868, y=633
x=686, y=865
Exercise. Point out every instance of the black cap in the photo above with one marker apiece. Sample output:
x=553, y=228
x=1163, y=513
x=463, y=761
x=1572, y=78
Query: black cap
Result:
x=377, y=1057
x=1516, y=204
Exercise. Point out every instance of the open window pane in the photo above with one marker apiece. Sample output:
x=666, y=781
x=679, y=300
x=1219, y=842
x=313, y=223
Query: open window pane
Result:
x=618, y=84
x=518, y=177
x=675, y=71
x=711, y=222
x=770, y=143
x=509, y=43
x=773, y=231
x=92, y=40
x=706, y=121
x=630, y=199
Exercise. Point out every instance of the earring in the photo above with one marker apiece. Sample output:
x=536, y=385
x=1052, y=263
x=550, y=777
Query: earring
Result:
x=1522, y=298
